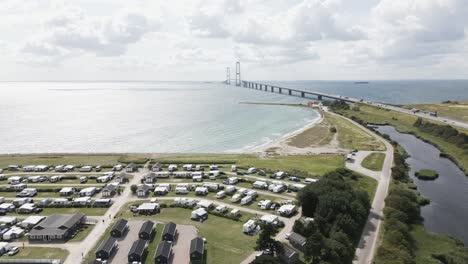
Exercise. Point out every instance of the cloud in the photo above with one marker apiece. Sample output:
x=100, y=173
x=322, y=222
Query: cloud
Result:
x=73, y=31
x=410, y=29
x=275, y=55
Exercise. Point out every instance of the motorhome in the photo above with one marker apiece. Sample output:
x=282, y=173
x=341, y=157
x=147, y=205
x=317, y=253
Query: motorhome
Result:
x=251, y=170
x=232, y=180
x=188, y=167
x=246, y=200
x=220, y=194
x=172, y=167
x=181, y=190
x=27, y=192
x=221, y=208
x=233, y=168
x=236, y=198
x=249, y=227
x=230, y=189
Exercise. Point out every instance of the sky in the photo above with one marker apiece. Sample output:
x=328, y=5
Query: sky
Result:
x=197, y=39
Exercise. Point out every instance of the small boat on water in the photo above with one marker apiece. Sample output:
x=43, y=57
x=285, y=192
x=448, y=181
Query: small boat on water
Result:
x=361, y=82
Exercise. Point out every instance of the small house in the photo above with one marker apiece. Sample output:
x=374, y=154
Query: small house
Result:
x=156, y=167
x=138, y=251
x=110, y=190
x=119, y=228
x=288, y=255
x=106, y=249
x=169, y=232
x=197, y=250
x=67, y=191
x=297, y=241
x=121, y=178
x=147, y=230
x=199, y=214
x=150, y=177
x=148, y=208
x=269, y=219
x=131, y=167
x=103, y=179
x=143, y=190
x=163, y=253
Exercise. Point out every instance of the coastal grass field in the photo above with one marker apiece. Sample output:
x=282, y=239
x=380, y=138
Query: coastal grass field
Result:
x=404, y=123
x=374, y=161
x=453, y=110
x=428, y=244
x=38, y=253
x=352, y=137
x=317, y=135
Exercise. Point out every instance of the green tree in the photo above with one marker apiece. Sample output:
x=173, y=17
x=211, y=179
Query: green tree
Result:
x=265, y=239
x=266, y=260
x=133, y=188
x=313, y=247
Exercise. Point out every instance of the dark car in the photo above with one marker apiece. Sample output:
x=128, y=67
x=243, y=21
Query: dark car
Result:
x=240, y=173
x=294, y=179
x=261, y=173
x=37, y=210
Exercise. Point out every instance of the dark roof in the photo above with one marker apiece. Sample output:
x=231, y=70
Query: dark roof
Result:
x=288, y=251
x=110, y=187
x=163, y=249
x=169, y=228
x=151, y=174
x=143, y=187
x=146, y=227
x=120, y=225
x=57, y=224
x=107, y=244
x=131, y=165
x=122, y=175
x=297, y=239
x=197, y=245
x=157, y=165
x=138, y=247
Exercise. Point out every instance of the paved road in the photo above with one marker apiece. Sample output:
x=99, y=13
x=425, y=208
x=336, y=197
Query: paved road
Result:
x=126, y=242
x=355, y=165
x=368, y=242
x=181, y=248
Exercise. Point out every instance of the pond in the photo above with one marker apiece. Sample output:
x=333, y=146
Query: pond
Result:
x=448, y=211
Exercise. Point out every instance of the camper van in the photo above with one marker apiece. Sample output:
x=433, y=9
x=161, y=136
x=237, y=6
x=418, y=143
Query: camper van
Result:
x=236, y=198
x=249, y=227
x=220, y=194
x=246, y=200
x=181, y=190
x=251, y=170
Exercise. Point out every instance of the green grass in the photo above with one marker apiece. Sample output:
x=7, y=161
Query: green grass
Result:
x=74, y=159
x=374, y=161
x=39, y=253
x=352, y=137
x=364, y=183
x=92, y=253
x=82, y=234
x=154, y=243
x=404, y=123
x=318, y=135
x=426, y=174
x=426, y=244
x=226, y=242
x=455, y=111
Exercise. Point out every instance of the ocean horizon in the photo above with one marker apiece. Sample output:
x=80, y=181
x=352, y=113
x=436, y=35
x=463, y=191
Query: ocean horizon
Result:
x=175, y=117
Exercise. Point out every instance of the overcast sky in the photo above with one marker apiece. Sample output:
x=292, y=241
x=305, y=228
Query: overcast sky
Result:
x=197, y=40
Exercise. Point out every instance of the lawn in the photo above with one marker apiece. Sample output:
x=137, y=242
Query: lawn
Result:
x=426, y=174
x=226, y=242
x=364, y=183
x=39, y=253
x=428, y=244
x=455, y=110
x=374, y=161
x=154, y=243
x=82, y=234
x=351, y=136
x=404, y=123
x=318, y=135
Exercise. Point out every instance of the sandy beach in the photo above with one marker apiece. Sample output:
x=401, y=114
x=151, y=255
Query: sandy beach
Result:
x=283, y=146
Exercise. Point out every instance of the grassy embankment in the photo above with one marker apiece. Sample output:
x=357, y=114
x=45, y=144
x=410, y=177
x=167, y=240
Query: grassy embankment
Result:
x=453, y=110
x=318, y=135
x=39, y=253
x=404, y=123
x=374, y=161
x=426, y=247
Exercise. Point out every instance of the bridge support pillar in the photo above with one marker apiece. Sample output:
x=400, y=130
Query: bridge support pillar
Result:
x=280, y=90
x=289, y=92
x=272, y=89
x=319, y=97
x=302, y=94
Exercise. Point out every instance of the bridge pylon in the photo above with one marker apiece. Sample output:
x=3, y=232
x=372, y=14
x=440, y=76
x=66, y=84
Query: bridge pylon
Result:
x=238, y=74
x=228, y=75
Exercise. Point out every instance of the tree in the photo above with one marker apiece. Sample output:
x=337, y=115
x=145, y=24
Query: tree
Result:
x=133, y=188
x=266, y=241
x=313, y=247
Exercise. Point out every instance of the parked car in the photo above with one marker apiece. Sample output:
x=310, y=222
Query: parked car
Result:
x=294, y=179
x=240, y=173
x=98, y=168
x=261, y=173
